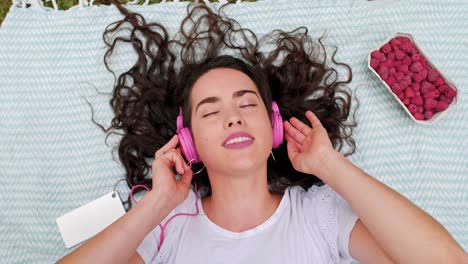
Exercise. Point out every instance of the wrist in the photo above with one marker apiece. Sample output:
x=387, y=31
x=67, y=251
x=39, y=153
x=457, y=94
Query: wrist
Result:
x=158, y=203
x=326, y=161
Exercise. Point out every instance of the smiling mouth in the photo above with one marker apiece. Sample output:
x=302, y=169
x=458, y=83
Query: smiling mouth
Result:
x=239, y=142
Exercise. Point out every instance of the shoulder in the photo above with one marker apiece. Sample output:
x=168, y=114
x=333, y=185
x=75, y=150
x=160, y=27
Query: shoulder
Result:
x=328, y=214
x=314, y=195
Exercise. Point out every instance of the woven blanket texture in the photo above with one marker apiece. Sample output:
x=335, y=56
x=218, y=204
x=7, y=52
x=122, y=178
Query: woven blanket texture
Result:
x=53, y=159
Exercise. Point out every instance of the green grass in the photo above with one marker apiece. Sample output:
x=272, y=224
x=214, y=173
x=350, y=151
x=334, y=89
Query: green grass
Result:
x=66, y=4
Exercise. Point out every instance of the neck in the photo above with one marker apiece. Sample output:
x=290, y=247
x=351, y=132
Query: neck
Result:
x=235, y=196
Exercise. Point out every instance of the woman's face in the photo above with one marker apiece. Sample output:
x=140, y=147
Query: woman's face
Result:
x=229, y=122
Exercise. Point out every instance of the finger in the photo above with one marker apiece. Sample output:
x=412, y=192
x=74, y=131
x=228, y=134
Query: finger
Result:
x=186, y=178
x=169, y=145
x=292, y=149
x=173, y=159
x=187, y=167
x=179, y=162
x=293, y=132
x=289, y=138
x=313, y=119
x=299, y=125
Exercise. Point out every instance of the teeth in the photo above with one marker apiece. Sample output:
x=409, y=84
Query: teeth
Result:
x=237, y=140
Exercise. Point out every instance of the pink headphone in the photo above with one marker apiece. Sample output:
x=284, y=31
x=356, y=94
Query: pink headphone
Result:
x=188, y=147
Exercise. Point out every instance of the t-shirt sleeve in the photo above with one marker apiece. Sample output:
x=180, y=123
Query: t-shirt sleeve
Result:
x=149, y=246
x=328, y=212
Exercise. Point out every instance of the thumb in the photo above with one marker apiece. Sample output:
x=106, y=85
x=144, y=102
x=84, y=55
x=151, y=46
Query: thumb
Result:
x=186, y=178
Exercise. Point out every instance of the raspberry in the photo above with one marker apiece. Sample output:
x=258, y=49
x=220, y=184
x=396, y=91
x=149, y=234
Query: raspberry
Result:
x=403, y=40
x=418, y=116
x=403, y=68
x=430, y=94
x=450, y=93
x=383, y=72
x=418, y=77
x=406, y=60
x=413, y=51
x=445, y=99
x=386, y=48
x=441, y=106
x=409, y=93
x=390, y=81
x=399, y=76
x=392, y=71
x=397, y=88
x=386, y=63
x=407, y=80
x=391, y=56
x=428, y=114
x=374, y=63
x=416, y=57
x=430, y=103
x=417, y=100
x=406, y=47
x=399, y=55
x=439, y=81
x=416, y=67
x=420, y=109
x=406, y=101
x=443, y=87
x=426, y=87
x=415, y=86
x=397, y=63
x=413, y=109
x=401, y=95
x=433, y=75
x=395, y=43
x=376, y=54
x=423, y=60
x=404, y=84
x=423, y=73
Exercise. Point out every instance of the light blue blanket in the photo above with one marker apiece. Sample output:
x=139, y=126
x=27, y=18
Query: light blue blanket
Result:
x=53, y=159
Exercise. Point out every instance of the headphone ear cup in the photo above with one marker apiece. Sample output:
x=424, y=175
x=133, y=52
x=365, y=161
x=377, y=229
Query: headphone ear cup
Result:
x=277, y=124
x=187, y=146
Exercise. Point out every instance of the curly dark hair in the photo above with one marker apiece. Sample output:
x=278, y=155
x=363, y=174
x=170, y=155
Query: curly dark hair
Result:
x=146, y=98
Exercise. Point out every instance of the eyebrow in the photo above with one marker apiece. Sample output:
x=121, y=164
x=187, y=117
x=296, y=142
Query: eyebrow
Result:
x=213, y=99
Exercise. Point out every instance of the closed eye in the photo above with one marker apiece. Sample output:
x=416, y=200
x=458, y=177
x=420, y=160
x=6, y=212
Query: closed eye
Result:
x=242, y=106
x=210, y=114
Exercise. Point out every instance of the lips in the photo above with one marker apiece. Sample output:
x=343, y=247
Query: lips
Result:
x=238, y=138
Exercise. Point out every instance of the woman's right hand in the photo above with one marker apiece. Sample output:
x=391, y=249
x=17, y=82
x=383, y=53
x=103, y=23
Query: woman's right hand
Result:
x=165, y=185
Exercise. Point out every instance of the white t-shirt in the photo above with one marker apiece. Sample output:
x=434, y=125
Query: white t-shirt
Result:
x=307, y=227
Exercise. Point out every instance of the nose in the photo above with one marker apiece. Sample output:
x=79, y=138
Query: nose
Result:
x=230, y=124
x=234, y=118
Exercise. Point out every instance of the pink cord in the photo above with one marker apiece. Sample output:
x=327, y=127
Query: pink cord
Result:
x=161, y=236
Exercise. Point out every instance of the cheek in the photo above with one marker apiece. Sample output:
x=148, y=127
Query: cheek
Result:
x=203, y=137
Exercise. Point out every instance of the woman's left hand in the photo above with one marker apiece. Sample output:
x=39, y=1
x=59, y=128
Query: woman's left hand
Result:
x=307, y=146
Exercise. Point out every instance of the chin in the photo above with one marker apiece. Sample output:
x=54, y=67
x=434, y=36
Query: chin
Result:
x=247, y=163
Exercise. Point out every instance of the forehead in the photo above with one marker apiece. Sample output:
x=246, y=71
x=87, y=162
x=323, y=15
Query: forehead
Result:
x=221, y=82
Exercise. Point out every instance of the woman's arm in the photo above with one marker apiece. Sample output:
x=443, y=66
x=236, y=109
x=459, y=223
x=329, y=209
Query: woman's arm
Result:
x=118, y=242
x=406, y=233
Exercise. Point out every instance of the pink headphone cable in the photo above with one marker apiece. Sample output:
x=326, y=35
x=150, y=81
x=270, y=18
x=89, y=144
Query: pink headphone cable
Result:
x=161, y=236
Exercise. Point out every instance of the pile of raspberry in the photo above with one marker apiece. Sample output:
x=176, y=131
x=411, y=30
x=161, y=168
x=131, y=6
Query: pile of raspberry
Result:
x=417, y=84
